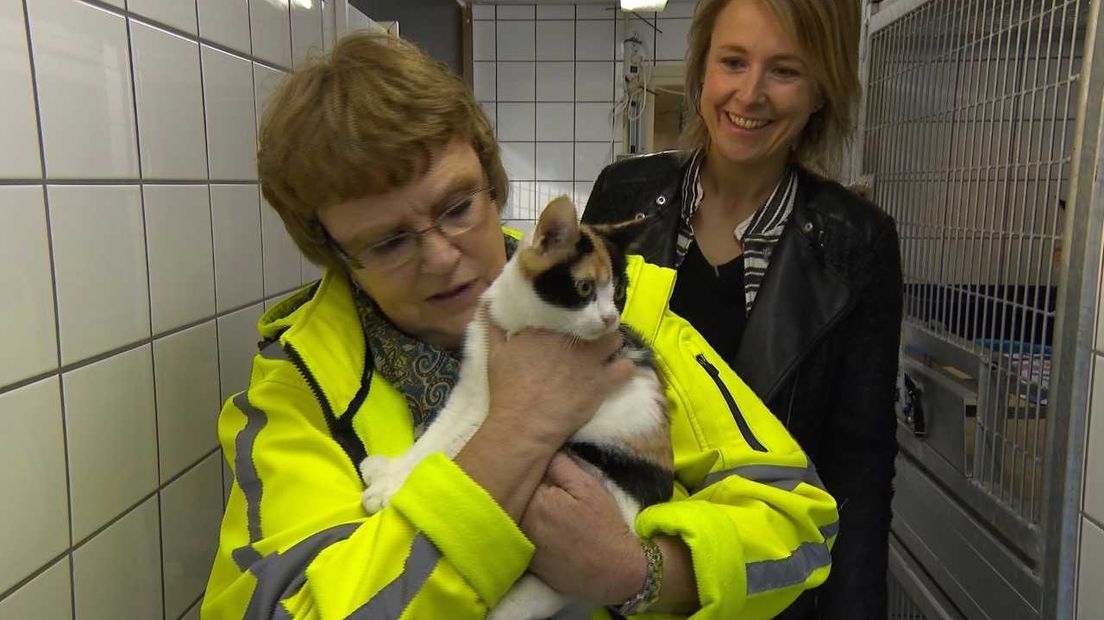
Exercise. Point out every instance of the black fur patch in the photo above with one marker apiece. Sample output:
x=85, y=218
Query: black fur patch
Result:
x=556, y=286
x=636, y=349
x=646, y=483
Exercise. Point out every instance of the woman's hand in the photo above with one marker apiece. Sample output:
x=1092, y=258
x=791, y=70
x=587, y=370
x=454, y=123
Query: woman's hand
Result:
x=547, y=385
x=584, y=547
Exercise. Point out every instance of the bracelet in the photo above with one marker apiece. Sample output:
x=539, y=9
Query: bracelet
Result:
x=653, y=581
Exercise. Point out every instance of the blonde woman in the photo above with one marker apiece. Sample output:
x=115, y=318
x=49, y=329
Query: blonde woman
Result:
x=794, y=281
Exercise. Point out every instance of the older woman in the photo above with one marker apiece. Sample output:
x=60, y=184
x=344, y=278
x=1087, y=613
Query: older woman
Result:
x=794, y=281
x=385, y=171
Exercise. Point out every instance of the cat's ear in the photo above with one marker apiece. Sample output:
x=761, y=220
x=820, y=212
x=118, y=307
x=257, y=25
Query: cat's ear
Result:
x=624, y=234
x=558, y=226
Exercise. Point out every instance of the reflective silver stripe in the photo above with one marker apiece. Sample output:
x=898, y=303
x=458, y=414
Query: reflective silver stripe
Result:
x=830, y=530
x=245, y=471
x=281, y=575
x=794, y=570
x=780, y=477
x=274, y=351
x=393, y=599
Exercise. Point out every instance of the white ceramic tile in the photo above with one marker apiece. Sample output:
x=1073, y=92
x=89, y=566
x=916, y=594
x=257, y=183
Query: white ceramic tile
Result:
x=46, y=597
x=82, y=66
x=555, y=121
x=282, y=271
x=19, y=158
x=556, y=11
x=27, y=328
x=236, y=218
x=607, y=11
x=590, y=158
x=556, y=40
x=521, y=203
x=516, y=12
x=516, y=81
x=34, y=527
x=594, y=81
x=185, y=368
x=170, y=104
x=191, y=509
x=178, y=243
x=515, y=41
x=491, y=110
x=519, y=159
x=1090, y=596
x=310, y=271
x=516, y=121
x=522, y=226
x=329, y=27
x=671, y=40
x=1094, y=464
x=231, y=116
x=110, y=427
x=484, y=81
x=555, y=81
x=270, y=29
x=192, y=614
x=483, y=40
x=100, y=265
x=179, y=14
x=237, y=334
x=582, y=194
x=555, y=161
x=306, y=30
x=225, y=22
x=483, y=11
x=595, y=121
x=118, y=573
x=594, y=40
x=265, y=81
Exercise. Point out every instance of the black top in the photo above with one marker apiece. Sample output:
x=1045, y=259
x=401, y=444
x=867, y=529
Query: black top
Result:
x=712, y=300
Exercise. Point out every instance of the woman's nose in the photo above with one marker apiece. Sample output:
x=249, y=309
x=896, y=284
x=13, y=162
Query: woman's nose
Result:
x=438, y=253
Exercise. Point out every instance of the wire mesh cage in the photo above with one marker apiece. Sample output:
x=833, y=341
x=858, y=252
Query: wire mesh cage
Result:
x=968, y=140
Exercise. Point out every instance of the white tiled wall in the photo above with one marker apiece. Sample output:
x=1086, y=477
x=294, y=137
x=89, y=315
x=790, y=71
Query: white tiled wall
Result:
x=549, y=76
x=135, y=261
x=1090, y=597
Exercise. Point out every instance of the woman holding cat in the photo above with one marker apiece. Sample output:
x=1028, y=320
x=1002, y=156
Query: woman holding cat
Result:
x=792, y=279
x=385, y=171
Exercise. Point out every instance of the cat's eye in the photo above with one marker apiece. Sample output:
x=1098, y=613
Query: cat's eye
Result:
x=584, y=288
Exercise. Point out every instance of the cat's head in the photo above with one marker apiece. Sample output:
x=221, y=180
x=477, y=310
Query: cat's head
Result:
x=565, y=276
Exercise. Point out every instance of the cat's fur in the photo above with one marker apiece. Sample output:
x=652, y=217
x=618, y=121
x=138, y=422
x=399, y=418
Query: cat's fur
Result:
x=566, y=277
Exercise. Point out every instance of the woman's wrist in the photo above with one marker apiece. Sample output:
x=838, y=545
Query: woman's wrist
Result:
x=648, y=577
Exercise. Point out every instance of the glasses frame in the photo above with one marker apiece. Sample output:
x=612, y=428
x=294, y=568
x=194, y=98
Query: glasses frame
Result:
x=417, y=235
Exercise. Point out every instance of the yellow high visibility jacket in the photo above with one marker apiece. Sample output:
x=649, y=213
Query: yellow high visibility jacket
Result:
x=296, y=543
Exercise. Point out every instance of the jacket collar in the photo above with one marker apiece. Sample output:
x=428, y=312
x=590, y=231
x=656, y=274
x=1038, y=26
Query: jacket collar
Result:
x=319, y=329
x=802, y=297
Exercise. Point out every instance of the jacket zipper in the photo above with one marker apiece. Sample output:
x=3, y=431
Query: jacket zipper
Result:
x=745, y=430
x=341, y=429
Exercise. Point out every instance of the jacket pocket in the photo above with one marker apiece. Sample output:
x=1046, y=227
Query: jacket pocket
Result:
x=737, y=415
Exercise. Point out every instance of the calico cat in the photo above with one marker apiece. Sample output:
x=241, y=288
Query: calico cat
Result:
x=570, y=278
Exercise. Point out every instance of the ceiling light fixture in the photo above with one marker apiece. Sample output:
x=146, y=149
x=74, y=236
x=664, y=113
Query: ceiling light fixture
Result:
x=643, y=5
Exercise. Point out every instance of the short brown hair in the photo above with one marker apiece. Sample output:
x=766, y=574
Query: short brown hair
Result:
x=827, y=31
x=363, y=120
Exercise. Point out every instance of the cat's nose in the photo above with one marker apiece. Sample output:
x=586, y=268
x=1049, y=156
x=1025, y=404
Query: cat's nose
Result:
x=609, y=319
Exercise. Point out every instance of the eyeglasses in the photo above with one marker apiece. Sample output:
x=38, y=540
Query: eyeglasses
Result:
x=399, y=250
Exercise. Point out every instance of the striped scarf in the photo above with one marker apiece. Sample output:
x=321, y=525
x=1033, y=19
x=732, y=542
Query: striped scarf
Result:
x=759, y=234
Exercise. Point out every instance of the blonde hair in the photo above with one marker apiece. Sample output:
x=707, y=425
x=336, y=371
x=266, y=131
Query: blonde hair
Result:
x=364, y=120
x=827, y=32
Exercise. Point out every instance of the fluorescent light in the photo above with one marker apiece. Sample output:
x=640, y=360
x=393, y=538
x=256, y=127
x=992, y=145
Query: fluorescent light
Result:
x=643, y=5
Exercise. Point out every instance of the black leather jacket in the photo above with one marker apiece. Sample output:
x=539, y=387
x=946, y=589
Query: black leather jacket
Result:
x=820, y=348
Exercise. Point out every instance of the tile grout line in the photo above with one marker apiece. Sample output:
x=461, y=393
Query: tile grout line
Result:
x=57, y=312
x=149, y=299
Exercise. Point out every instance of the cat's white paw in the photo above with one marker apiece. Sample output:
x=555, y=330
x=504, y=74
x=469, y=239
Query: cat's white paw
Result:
x=383, y=477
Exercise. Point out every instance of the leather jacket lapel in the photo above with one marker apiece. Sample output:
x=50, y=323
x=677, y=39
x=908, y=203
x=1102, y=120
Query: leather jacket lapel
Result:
x=801, y=298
